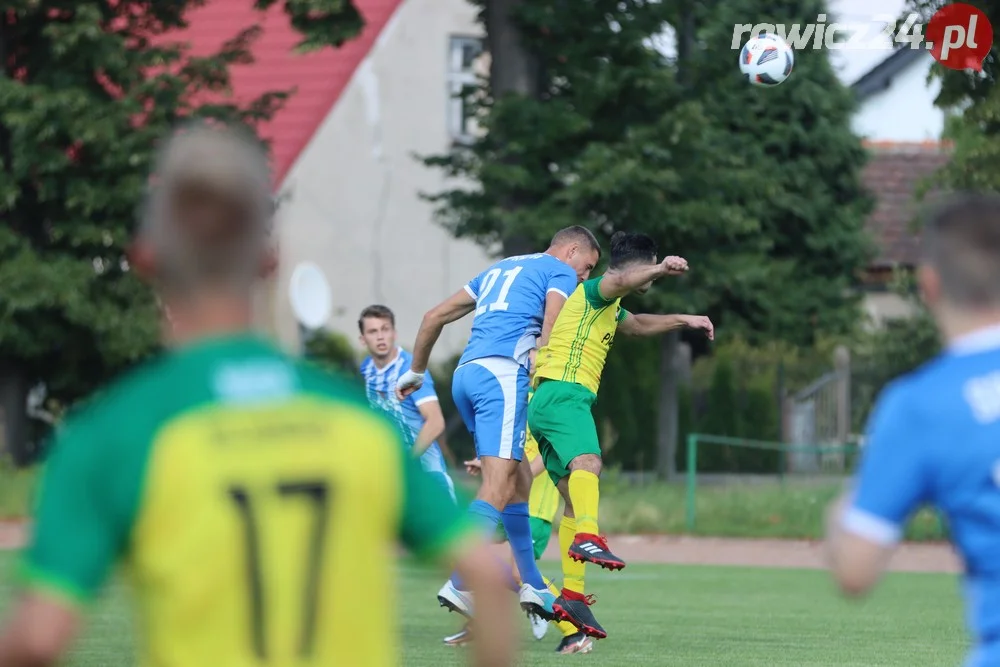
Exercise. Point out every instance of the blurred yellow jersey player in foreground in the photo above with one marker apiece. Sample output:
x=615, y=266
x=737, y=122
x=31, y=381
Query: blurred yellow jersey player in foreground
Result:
x=543, y=505
x=254, y=499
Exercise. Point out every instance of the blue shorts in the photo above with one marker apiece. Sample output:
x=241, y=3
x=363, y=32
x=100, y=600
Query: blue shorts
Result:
x=491, y=394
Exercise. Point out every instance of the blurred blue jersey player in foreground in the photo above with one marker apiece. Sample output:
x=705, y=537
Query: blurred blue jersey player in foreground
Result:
x=516, y=302
x=419, y=415
x=934, y=437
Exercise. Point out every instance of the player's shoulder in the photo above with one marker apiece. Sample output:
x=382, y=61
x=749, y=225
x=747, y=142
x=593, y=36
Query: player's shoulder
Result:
x=366, y=364
x=559, y=266
x=133, y=407
x=918, y=392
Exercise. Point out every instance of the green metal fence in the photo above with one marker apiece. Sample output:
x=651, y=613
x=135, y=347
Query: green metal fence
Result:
x=845, y=454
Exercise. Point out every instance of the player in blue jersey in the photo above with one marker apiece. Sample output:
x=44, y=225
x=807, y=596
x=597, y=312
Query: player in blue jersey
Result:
x=516, y=302
x=418, y=415
x=934, y=437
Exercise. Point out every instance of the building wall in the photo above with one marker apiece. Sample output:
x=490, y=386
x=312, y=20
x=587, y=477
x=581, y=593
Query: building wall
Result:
x=905, y=110
x=883, y=306
x=352, y=199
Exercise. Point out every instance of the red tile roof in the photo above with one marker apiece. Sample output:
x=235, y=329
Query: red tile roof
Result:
x=893, y=174
x=318, y=77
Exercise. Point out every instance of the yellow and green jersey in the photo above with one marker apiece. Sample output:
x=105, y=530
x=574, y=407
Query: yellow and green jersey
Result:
x=254, y=501
x=581, y=337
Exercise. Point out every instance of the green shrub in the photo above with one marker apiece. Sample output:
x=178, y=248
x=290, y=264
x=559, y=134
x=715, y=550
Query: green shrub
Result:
x=333, y=351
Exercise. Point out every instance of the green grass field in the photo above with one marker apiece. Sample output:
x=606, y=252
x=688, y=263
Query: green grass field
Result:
x=668, y=615
x=793, y=509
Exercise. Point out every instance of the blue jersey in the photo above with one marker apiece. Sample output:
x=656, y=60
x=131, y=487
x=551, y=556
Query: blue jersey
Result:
x=380, y=386
x=934, y=438
x=510, y=304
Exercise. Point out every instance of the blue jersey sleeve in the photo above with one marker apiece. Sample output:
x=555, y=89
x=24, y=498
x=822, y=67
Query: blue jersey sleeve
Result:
x=893, y=480
x=426, y=391
x=472, y=287
x=562, y=282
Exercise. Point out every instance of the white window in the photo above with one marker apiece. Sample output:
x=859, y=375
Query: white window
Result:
x=464, y=68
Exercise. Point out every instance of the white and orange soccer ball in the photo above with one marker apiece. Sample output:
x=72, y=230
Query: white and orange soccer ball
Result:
x=766, y=60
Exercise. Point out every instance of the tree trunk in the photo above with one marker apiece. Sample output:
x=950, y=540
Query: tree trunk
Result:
x=666, y=435
x=13, y=405
x=514, y=70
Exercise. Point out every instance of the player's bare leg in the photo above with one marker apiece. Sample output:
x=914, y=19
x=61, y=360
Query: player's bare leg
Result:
x=493, y=495
x=573, y=604
x=535, y=596
x=583, y=486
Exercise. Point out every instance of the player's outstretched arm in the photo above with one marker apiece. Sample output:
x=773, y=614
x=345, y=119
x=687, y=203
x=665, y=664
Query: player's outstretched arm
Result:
x=455, y=307
x=63, y=569
x=434, y=526
x=620, y=283
x=864, y=526
x=39, y=631
x=433, y=425
x=643, y=324
x=856, y=562
x=496, y=639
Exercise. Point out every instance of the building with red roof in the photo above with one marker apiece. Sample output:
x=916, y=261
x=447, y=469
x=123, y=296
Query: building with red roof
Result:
x=343, y=150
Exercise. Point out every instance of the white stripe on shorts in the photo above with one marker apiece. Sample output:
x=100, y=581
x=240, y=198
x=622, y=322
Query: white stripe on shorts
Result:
x=505, y=370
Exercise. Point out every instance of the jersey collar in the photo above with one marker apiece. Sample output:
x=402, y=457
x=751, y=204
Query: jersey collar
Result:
x=980, y=340
x=398, y=359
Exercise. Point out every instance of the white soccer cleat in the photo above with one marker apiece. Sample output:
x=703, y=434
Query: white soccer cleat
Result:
x=539, y=626
x=455, y=600
x=538, y=602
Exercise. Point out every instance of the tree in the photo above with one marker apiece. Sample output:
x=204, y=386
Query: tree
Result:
x=86, y=90
x=973, y=99
x=759, y=189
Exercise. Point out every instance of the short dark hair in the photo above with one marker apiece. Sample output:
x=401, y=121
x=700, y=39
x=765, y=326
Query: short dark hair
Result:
x=378, y=311
x=628, y=247
x=577, y=234
x=961, y=240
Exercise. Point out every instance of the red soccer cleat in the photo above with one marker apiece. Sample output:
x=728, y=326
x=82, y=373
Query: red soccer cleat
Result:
x=590, y=548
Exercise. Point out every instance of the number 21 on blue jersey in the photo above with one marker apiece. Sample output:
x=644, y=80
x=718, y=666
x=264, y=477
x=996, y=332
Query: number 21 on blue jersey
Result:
x=490, y=280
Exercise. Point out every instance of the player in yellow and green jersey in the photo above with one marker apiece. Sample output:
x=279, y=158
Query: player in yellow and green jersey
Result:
x=567, y=377
x=254, y=500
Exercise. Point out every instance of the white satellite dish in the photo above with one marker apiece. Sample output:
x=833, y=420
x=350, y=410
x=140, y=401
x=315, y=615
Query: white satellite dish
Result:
x=310, y=294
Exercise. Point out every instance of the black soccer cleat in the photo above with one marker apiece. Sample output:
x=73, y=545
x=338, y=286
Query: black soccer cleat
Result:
x=577, y=612
x=589, y=548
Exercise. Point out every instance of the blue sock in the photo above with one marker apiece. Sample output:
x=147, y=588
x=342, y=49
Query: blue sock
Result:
x=484, y=514
x=515, y=522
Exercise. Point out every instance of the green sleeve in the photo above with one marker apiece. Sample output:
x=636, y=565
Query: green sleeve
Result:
x=432, y=521
x=591, y=289
x=78, y=534
x=622, y=314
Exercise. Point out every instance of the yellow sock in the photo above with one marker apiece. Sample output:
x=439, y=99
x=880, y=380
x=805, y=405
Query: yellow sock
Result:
x=565, y=627
x=572, y=570
x=584, y=491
